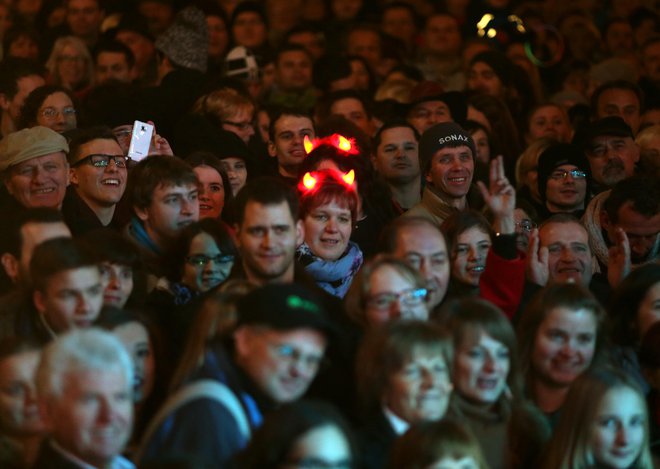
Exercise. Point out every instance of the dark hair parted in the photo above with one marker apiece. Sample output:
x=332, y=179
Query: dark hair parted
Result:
x=155, y=171
x=35, y=99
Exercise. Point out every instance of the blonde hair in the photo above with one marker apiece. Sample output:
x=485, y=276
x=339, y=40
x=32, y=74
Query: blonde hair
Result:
x=221, y=104
x=570, y=447
x=58, y=49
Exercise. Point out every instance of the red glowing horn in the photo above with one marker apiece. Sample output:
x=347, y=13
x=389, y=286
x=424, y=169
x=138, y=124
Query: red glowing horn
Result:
x=344, y=144
x=349, y=177
x=309, y=181
x=309, y=145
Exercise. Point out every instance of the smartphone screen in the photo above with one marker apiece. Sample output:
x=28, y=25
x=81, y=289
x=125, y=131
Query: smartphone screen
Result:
x=140, y=140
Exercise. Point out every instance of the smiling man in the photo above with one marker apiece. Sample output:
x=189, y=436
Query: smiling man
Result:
x=287, y=132
x=98, y=181
x=34, y=167
x=446, y=153
x=84, y=388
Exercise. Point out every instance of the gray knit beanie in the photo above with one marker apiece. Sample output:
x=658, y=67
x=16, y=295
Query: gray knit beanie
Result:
x=186, y=41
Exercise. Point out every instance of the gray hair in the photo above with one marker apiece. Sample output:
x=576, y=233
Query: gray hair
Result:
x=80, y=350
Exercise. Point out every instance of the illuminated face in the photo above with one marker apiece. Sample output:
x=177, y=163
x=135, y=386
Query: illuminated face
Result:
x=288, y=147
x=282, y=364
x=172, y=208
x=118, y=282
x=481, y=369
x=569, y=255
x=397, y=156
x=420, y=390
x=211, y=192
x=205, y=266
x=327, y=230
x=267, y=239
x=71, y=299
x=469, y=256
x=619, y=429
x=392, y=296
x=93, y=417
x=135, y=338
x=564, y=345
x=40, y=181
x=565, y=194
x=612, y=159
x=549, y=121
x=236, y=173
x=425, y=249
x=57, y=113
x=98, y=186
x=293, y=70
x=19, y=414
x=427, y=114
x=451, y=171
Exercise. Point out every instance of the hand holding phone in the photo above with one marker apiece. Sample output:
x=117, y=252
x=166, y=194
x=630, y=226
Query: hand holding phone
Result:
x=140, y=140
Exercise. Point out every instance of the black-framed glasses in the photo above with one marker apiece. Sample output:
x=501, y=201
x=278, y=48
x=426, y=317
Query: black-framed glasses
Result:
x=526, y=225
x=561, y=174
x=239, y=125
x=52, y=113
x=410, y=297
x=102, y=161
x=200, y=260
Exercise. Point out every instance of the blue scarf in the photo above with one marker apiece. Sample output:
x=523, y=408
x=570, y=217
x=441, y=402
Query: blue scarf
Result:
x=333, y=276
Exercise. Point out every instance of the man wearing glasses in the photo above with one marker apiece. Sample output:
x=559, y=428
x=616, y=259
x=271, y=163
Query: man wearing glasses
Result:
x=563, y=180
x=98, y=181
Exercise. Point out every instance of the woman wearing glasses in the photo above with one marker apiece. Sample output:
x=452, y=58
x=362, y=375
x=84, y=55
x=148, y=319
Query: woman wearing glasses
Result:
x=201, y=259
x=230, y=110
x=329, y=209
x=563, y=179
x=49, y=106
x=70, y=65
x=404, y=371
x=384, y=290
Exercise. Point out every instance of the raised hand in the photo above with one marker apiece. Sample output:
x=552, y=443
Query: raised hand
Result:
x=538, y=271
x=500, y=197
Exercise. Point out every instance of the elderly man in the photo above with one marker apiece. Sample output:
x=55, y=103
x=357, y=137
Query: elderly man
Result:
x=275, y=353
x=34, y=168
x=84, y=382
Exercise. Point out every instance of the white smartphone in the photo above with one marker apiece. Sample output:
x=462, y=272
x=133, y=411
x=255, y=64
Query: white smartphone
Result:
x=140, y=140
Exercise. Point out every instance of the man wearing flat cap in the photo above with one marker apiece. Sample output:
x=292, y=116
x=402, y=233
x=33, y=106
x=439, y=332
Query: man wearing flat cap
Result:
x=269, y=359
x=446, y=154
x=34, y=168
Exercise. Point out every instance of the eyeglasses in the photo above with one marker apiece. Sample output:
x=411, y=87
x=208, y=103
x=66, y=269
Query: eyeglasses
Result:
x=526, y=225
x=411, y=297
x=239, y=125
x=70, y=58
x=200, y=260
x=563, y=174
x=52, y=113
x=290, y=354
x=102, y=161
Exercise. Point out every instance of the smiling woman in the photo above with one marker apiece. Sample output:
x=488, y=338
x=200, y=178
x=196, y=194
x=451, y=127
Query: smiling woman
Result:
x=50, y=106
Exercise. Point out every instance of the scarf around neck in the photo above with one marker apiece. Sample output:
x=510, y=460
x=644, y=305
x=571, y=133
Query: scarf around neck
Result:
x=333, y=276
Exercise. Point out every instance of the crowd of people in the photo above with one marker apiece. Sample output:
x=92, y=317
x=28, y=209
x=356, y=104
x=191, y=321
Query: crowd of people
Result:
x=366, y=234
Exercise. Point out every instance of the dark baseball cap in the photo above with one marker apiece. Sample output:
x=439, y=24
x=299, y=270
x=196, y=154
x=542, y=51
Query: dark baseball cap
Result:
x=284, y=307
